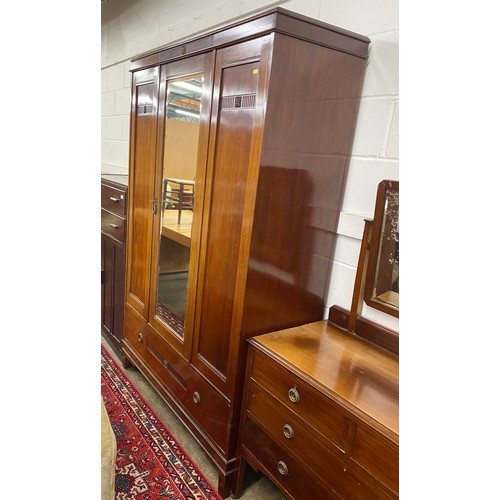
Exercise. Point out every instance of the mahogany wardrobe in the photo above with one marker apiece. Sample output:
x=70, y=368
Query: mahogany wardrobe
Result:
x=239, y=144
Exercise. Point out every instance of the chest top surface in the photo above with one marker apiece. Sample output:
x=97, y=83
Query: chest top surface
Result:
x=360, y=377
x=119, y=181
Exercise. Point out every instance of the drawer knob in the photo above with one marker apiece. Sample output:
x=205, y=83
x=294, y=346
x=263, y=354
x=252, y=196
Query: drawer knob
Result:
x=114, y=226
x=139, y=337
x=196, y=398
x=282, y=468
x=293, y=395
x=112, y=198
x=288, y=431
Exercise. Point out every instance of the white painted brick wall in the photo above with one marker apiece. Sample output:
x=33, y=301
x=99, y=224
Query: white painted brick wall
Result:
x=130, y=27
x=115, y=112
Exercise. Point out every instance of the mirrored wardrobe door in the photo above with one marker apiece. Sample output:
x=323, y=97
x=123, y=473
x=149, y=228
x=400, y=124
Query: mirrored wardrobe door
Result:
x=180, y=181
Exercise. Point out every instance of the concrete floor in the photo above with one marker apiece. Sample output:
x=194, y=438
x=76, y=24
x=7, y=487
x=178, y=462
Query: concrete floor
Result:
x=256, y=486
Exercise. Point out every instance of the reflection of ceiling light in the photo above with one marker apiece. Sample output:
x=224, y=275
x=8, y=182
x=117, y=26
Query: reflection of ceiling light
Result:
x=187, y=86
x=187, y=113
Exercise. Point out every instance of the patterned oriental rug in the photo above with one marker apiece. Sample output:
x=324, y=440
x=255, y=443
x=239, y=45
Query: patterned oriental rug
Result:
x=150, y=464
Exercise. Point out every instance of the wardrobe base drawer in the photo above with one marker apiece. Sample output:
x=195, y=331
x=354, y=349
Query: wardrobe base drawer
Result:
x=200, y=400
x=203, y=402
x=135, y=329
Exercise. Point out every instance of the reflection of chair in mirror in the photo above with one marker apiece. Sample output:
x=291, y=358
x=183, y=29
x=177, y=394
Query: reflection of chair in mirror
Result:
x=178, y=194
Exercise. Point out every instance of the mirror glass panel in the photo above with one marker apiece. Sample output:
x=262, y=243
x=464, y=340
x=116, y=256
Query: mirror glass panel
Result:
x=382, y=281
x=182, y=125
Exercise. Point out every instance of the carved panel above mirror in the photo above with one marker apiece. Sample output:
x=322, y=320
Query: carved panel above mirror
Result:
x=382, y=276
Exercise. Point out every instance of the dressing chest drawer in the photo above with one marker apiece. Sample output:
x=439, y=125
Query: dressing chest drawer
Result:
x=327, y=417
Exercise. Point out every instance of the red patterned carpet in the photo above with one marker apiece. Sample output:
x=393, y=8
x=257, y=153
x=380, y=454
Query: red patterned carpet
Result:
x=150, y=464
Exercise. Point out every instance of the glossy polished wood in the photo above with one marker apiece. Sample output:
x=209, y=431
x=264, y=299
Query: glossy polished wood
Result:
x=358, y=376
x=311, y=151
x=232, y=141
x=276, y=20
x=143, y=125
x=270, y=170
x=373, y=332
x=341, y=428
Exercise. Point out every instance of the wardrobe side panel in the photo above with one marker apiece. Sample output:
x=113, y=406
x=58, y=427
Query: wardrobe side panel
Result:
x=309, y=126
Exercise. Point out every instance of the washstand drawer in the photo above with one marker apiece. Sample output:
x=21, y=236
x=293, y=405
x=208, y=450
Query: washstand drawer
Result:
x=298, y=478
x=113, y=225
x=289, y=474
x=309, y=404
x=288, y=430
x=113, y=199
x=198, y=397
x=378, y=456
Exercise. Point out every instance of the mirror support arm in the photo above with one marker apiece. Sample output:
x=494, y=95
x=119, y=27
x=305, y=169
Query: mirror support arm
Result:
x=359, y=283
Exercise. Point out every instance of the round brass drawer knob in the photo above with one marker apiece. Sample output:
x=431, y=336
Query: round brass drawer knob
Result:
x=282, y=468
x=293, y=395
x=288, y=431
x=139, y=337
x=196, y=398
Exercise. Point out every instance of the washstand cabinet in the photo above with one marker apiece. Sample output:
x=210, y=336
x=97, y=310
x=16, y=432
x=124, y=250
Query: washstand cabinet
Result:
x=239, y=143
x=113, y=241
x=320, y=414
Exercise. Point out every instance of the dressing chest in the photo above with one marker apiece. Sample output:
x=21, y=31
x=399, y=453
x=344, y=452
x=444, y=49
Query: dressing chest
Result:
x=320, y=414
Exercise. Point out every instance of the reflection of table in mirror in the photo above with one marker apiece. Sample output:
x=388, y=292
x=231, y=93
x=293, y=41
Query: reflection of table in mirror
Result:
x=390, y=298
x=177, y=231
